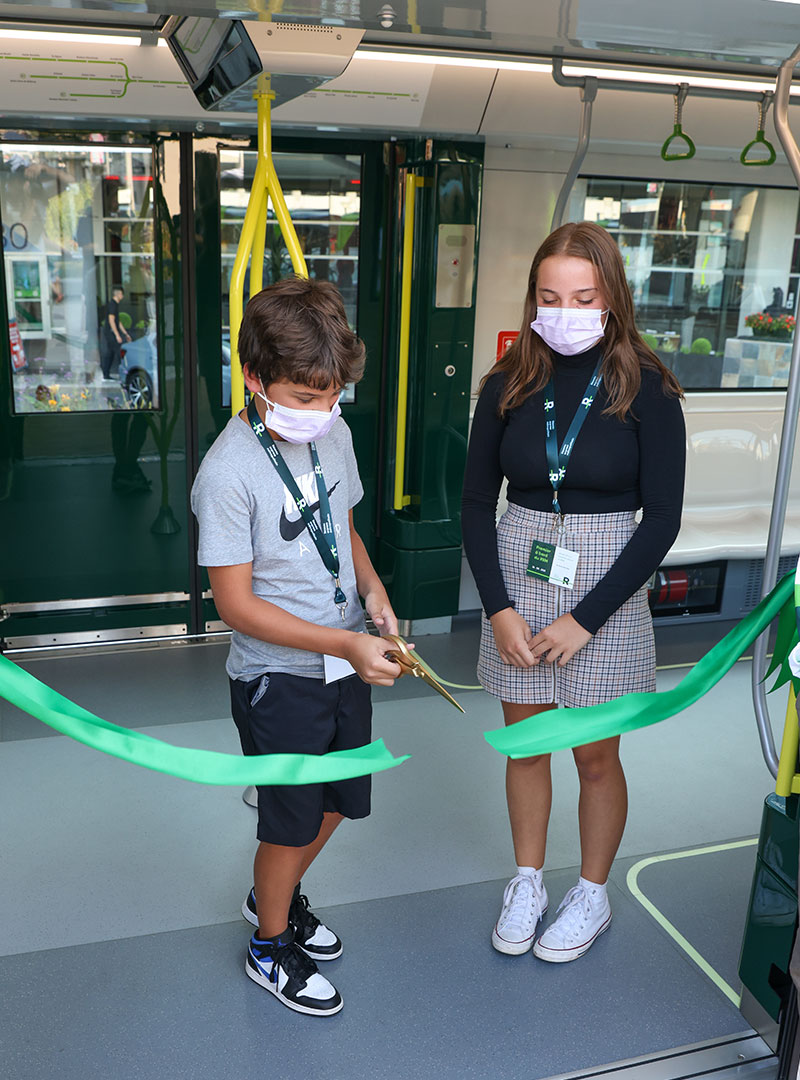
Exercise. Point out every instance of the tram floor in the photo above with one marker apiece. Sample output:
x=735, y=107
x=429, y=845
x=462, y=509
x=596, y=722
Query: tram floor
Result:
x=121, y=946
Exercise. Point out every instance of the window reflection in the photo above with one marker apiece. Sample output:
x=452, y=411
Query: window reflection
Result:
x=714, y=271
x=322, y=193
x=78, y=251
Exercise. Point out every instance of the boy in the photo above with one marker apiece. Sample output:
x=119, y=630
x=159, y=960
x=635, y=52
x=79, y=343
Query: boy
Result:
x=287, y=568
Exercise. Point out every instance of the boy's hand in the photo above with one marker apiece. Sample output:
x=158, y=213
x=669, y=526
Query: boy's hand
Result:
x=377, y=606
x=367, y=654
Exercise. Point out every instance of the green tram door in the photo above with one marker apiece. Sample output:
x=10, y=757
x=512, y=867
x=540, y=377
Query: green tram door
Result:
x=429, y=375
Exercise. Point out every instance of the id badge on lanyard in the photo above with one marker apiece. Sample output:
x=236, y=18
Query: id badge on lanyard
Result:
x=553, y=562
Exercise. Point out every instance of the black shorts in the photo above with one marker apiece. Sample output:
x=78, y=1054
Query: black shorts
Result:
x=278, y=713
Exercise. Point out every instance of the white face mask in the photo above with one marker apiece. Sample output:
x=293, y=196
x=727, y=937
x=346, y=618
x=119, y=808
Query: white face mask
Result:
x=299, y=425
x=569, y=331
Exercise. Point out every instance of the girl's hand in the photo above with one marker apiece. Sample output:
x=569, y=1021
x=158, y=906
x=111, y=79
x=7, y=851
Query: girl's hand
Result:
x=512, y=636
x=377, y=606
x=559, y=641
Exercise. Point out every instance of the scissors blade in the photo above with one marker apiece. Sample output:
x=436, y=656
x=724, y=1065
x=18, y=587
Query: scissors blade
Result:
x=411, y=664
x=437, y=686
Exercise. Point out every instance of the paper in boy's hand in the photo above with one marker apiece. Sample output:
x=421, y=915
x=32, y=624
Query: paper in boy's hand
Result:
x=410, y=664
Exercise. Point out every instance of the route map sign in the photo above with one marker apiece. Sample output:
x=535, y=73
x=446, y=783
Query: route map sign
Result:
x=144, y=82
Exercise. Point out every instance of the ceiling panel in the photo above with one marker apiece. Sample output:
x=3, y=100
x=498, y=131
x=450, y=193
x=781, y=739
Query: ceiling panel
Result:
x=731, y=33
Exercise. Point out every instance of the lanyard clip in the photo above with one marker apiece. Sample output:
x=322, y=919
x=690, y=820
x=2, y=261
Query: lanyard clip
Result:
x=340, y=598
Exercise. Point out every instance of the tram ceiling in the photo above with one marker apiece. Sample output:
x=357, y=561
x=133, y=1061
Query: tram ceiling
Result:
x=729, y=34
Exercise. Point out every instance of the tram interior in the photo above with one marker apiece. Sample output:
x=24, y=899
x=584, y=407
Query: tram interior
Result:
x=121, y=943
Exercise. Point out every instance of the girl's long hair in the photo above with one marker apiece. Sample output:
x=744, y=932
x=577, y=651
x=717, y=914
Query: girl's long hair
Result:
x=527, y=363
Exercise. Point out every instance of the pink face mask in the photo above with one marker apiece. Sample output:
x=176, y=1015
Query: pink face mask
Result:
x=300, y=425
x=569, y=331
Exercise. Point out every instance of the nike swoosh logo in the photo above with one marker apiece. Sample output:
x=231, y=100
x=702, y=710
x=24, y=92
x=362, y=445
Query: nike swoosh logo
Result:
x=290, y=530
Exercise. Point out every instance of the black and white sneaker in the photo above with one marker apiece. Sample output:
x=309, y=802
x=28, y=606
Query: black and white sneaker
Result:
x=313, y=936
x=282, y=967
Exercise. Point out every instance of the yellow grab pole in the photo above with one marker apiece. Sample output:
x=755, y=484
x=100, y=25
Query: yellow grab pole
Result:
x=253, y=235
x=400, y=498
x=257, y=255
x=285, y=222
x=787, y=763
x=264, y=98
x=258, y=195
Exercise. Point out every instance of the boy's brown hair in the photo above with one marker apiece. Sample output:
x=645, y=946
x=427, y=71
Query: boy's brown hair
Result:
x=297, y=330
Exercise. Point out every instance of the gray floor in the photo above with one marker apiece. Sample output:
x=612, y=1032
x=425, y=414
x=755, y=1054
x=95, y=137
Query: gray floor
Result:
x=121, y=944
x=425, y=996
x=714, y=913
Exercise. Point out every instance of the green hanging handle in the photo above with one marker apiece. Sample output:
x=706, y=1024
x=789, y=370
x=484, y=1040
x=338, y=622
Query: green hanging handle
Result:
x=763, y=109
x=677, y=131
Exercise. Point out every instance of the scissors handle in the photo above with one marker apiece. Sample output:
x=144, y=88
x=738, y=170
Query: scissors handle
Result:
x=403, y=655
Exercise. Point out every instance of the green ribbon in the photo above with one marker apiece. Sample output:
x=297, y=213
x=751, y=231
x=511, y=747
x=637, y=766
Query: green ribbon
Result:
x=785, y=641
x=564, y=728
x=201, y=766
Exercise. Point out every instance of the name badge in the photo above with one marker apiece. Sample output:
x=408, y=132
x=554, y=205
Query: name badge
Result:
x=336, y=668
x=552, y=563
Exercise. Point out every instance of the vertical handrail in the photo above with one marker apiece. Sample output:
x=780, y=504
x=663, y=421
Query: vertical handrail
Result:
x=258, y=194
x=252, y=239
x=285, y=223
x=400, y=498
x=588, y=92
x=788, y=433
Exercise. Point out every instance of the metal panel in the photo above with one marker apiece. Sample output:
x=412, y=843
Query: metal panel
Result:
x=123, y=634
x=455, y=266
x=747, y=1053
x=97, y=602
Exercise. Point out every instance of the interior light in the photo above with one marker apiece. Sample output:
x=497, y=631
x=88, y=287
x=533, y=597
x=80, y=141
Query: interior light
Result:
x=449, y=61
x=664, y=78
x=57, y=35
x=659, y=78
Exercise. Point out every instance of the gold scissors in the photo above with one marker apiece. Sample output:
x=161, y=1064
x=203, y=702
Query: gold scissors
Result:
x=410, y=665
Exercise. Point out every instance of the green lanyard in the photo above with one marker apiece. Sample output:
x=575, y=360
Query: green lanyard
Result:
x=325, y=547
x=557, y=459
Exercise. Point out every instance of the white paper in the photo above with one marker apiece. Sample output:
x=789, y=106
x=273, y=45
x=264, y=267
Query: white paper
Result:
x=565, y=563
x=336, y=668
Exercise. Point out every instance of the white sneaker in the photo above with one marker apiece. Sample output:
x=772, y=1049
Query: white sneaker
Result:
x=523, y=907
x=580, y=921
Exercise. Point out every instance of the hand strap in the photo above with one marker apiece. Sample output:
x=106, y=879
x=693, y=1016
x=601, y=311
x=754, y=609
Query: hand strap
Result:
x=760, y=139
x=677, y=131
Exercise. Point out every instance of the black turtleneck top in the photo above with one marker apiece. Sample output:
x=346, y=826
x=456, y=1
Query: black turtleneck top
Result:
x=615, y=465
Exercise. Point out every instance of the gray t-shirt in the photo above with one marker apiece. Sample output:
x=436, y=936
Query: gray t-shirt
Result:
x=246, y=515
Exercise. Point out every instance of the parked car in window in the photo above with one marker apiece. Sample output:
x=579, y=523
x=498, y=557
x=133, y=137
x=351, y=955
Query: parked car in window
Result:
x=138, y=371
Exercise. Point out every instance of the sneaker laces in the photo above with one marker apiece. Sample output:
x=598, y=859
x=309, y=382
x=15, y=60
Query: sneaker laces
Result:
x=521, y=905
x=302, y=918
x=294, y=962
x=574, y=911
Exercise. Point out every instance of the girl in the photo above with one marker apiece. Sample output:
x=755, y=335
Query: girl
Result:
x=585, y=423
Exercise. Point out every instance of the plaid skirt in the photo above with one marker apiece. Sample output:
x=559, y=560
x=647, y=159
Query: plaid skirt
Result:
x=619, y=659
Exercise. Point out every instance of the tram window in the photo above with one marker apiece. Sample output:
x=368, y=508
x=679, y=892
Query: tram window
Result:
x=322, y=192
x=79, y=269
x=714, y=271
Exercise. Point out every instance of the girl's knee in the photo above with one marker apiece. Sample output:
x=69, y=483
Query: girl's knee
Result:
x=595, y=764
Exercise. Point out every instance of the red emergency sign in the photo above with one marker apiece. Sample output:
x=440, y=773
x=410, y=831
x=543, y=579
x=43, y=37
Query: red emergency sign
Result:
x=504, y=339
